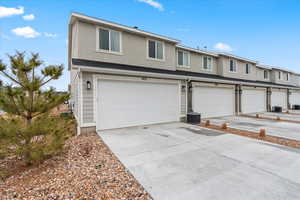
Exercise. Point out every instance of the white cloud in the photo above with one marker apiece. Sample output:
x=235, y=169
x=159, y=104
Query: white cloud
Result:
x=26, y=32
x=223, y=47
x=50, y=35
x=153, y=3
x=8, y=12
x=29, y=17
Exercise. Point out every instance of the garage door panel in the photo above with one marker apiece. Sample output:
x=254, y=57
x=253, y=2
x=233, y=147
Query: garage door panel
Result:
x=295, y=98
x=253, y=100
x=126, y=103
x=279, y=98
x=213, y=102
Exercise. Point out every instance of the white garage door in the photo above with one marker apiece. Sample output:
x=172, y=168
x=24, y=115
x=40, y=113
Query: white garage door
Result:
x=213, y=101
x=253, y=100
x=295, y=98
x=279, y=98
x=129, y=103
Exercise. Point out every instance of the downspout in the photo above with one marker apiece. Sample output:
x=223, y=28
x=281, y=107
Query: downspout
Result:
x=189, y=96
x=269, y=93
x=288, y=99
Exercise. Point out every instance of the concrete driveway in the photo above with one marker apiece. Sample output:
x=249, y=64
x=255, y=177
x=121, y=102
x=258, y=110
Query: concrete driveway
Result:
x=274, y=128
x=179, y=161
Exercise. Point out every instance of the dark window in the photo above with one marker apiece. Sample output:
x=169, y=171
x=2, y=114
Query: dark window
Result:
x=279, y=75
x=265, y=74
x=232, y=66
x=151, y=49
x=104, y=39
x=180, y=58
x=247, y=69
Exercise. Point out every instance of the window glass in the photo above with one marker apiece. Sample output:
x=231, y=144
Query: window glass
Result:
x=104, y=39
x=151, y=47
x=115, y=41
x=160, y=51
x=207, y=63
x=232, y=66
x=180, y=58
x=247, y=68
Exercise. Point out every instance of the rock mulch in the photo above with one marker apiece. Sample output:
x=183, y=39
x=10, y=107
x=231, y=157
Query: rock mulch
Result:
x=88, y=170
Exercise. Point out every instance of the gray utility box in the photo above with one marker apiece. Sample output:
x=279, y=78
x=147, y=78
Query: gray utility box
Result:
x=193, y=118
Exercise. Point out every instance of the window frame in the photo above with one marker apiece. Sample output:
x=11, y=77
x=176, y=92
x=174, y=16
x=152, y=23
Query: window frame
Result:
x=235, y=66
x=287, y=76
x=147, y=50
x=98, y=41
x=211, y=66
x=189, y=59
x=266, y=75
x=280, y=75
x=248, y=68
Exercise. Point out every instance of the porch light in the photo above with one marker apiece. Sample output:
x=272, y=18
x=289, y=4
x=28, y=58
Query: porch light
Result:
x=88, y=85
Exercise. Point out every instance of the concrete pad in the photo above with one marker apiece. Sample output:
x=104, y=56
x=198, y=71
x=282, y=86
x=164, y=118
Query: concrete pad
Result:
x=274, y=128
x=180, y=161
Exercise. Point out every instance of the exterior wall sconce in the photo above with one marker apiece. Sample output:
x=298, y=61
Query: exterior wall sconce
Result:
x=88, y=85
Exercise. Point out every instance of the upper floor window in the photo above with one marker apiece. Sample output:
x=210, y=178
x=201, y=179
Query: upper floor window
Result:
x=183, y=58
x=279, y=75
x=266, y=74
x=248, y=69
x=232, y=67
x=207, y=63
x=109, y=40
x=155, y=50
x=287, y=76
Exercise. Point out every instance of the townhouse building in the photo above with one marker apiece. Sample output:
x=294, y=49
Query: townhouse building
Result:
x=122, y=76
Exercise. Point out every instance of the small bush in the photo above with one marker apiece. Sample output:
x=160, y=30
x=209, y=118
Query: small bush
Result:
x=44, y=137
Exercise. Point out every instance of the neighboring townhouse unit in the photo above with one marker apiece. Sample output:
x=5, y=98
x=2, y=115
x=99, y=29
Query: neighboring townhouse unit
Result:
x=122, y=76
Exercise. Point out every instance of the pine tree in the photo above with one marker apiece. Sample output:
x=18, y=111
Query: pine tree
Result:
x=25, y=98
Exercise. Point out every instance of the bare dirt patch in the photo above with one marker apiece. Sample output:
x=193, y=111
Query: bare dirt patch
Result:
x=250, y=134
x=88, y=170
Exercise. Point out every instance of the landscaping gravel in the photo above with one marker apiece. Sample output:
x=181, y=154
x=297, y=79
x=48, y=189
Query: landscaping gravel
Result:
x=88, y=170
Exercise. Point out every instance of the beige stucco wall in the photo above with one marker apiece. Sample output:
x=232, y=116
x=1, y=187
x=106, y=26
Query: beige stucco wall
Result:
x=74, y=40
x=241, y=69
x=275, y=77
x=196, y=63
x=134, y=49
x=260, y=74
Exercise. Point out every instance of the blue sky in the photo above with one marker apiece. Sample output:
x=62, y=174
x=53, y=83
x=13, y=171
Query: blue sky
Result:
x=263, y=30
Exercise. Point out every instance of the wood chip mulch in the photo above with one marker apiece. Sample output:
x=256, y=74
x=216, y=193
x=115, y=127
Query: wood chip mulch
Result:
x=250, y=134
x=87, y=170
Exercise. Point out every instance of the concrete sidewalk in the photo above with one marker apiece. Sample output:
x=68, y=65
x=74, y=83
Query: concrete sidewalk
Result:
x=179, y=161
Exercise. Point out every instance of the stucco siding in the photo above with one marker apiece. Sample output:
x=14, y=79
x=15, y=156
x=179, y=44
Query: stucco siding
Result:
x=240, y=69
x=260, y=74
x=196, y=63
x=134, y=49
x=283, y=80
x=74, y=40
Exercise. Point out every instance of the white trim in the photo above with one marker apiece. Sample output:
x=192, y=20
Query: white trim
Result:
x=189, y=59
x=119, y=26
x=85, y=125
x=147, y=48
x=109, y=32
x=196, y=50
x=235, y=66
x=238, y=58
x=81, y=98
x=249, y=68
x=211, y=66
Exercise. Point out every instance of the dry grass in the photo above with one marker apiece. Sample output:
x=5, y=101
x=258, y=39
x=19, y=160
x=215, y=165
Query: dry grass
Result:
x=250, y=134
